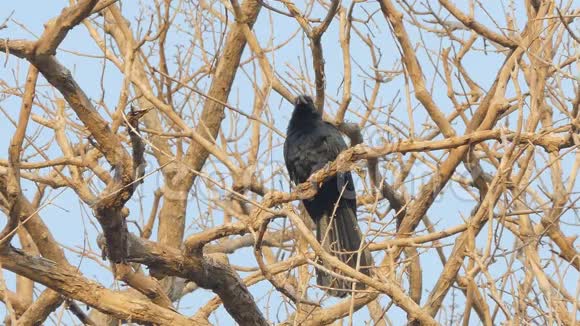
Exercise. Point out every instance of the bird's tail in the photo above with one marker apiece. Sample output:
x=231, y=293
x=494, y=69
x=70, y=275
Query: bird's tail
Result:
x=340, y=236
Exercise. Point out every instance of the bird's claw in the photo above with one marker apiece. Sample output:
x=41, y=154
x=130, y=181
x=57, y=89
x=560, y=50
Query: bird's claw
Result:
x=314, y=184
x=319, y=166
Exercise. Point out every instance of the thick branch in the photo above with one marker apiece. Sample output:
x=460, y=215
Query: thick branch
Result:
x=205, y=272
x=57, y=29
x=71, y=284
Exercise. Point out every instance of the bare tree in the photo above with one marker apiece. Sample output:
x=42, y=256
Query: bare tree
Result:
x=144, y=161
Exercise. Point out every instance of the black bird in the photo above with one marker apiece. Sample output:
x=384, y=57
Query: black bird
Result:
x=310, y=144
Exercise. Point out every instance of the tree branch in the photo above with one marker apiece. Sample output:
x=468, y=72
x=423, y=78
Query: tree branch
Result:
x=71, y=284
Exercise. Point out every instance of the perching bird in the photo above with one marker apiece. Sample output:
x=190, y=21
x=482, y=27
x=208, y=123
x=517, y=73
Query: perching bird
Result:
x=310, y=144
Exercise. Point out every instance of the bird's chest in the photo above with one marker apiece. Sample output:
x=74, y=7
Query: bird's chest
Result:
x=308, y=153
x=312, y=142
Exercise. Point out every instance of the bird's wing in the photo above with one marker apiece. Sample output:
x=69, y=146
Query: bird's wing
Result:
x=331, y=145
x=334, y=144
x=300, y=154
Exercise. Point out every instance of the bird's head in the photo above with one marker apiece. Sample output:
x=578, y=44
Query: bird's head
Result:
x=303, y=100
x=305, y=113
x=304, y=104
